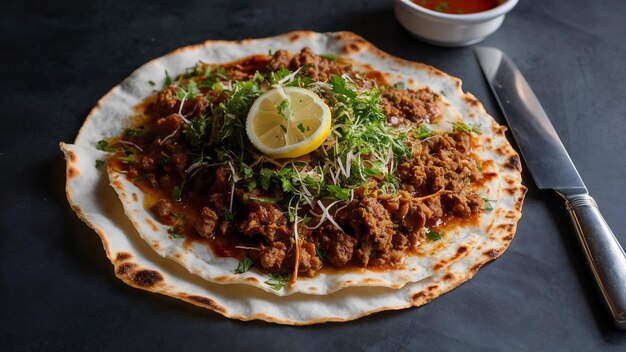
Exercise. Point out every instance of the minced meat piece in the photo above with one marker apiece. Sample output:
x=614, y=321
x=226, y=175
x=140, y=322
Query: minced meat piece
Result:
x=441, y=162
x=373, y=226
x=462, y=204
x=338, y=246
x=270, y=257
x=318, y=68
x=264, y=220
x=416, y=106
x=309, y=262
x=239, y=73
x=165, y=103
x=280, y=59
x=163, y=207
x=205, y=226
x=178, y=157
x=169, y=128
x=149, y=161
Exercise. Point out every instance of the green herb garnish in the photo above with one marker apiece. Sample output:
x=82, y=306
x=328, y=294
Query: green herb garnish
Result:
x=278, y=75
x=229, y=216
x=99, y=163
x=244, y=265
x=221, y=72
x=134, y=132
x=340, y=87
x=104, y=146
x=168, y=80
x=278, y=281
x=435, y=235
x=399, y=85
x=283, y=109
x=467, y=128
x=177, y=193
x=164, y=159
x=487, y=205
x=320, y=253
x=128, y=159
x=422, y=132
x=196, y=130
x=173, y=231
x=331, y=57
x=338, y=192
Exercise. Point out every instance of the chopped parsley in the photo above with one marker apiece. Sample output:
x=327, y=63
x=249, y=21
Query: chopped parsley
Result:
x=283, y=109
x=262, y=200
x=196, y=130
x=487, y=205
x=277, y=281
x=320, y=253
x=177, y=193
x=435, y=235
x=468, y=128
x=168, y=80
x=338, y=192
x=244, y=265
x=422, y=132
x=301, y=127
x=104, y=146
x=99, y=163
x=278, y=75
x=134, y=132
x=128, y=159
x=164, y=159
x=229, y=216
x=340, y=87
x=331, y=57
x=173, y=231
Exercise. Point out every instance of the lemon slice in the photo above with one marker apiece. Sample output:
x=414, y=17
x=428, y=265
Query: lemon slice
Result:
x=288, y=122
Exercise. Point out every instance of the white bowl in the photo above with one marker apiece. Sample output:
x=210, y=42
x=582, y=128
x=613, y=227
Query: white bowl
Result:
x=447, y=29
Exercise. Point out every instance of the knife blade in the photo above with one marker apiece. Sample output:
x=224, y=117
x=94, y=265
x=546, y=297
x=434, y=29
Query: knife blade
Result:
x=552, y=168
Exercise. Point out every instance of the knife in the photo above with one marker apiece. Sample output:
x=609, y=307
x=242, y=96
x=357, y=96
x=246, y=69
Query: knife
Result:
x=552, y=168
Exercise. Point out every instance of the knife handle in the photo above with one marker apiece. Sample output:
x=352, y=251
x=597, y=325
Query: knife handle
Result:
x=604, y=254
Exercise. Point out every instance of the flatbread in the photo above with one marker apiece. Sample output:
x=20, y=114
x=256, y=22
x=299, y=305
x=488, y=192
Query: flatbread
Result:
x=137, y=265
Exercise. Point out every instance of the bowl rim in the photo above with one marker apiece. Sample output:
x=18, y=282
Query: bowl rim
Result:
x=499, y=10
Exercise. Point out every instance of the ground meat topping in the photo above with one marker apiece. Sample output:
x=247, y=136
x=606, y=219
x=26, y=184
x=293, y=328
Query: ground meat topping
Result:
x=220, y=200
x=207, y=223
x=337, y=245
x=317, y=67
x=415, y=106
x=372, y=223
x=270, y=257
x=280, y=59
x=264, y=220
x=163, y=207
x=309, y=262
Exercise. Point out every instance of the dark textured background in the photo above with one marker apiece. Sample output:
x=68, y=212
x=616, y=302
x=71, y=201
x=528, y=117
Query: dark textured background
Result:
x=58, y=291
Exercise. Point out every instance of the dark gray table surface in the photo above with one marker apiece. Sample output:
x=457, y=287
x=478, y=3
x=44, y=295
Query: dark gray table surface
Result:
x=58, y=291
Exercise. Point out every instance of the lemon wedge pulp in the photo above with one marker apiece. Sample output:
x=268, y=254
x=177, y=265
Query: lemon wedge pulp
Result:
x=288, y=122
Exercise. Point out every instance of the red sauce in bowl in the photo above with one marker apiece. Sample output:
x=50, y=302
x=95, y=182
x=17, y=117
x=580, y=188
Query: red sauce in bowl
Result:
x=458, y=6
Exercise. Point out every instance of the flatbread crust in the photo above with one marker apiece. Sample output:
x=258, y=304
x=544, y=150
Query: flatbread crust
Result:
x=137, y=264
